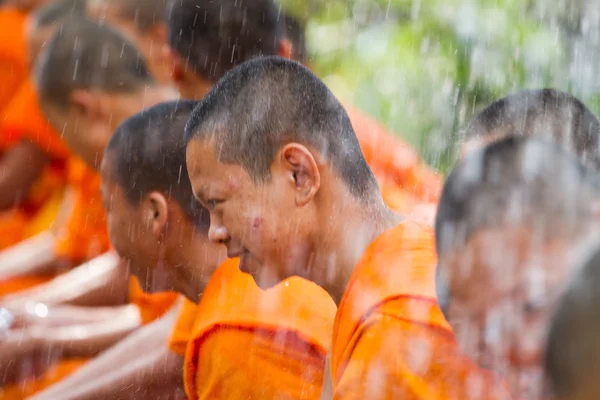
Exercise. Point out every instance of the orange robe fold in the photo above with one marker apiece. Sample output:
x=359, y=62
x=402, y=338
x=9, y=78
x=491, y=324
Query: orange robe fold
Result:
x=247, y=343
x=390, y=339
x=13, y=52
x=151, y=305
x=393, y=161
x=84, y=236
x=23, y=120
x=184, y=328
x=30, y=387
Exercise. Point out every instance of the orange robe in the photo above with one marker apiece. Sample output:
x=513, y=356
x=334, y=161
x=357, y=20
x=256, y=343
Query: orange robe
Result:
x=13, y=52
x=246, y=343
x=32, y=386
x=23, y=120
x=390, y=339
x=393, y=161
x=151, y=305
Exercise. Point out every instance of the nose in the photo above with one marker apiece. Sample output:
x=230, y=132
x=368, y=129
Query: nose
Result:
x=218, y=233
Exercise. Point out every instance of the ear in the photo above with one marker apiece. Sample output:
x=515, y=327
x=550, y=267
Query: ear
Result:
x=177, y=65
x=160, y=33
x=285, y=48
x=87, y=103
x=157, y=212
x=303, y=171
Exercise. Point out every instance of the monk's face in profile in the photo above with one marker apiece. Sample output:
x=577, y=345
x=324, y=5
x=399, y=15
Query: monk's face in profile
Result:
x=135, y=236
x=259, y=221
x=502, y=287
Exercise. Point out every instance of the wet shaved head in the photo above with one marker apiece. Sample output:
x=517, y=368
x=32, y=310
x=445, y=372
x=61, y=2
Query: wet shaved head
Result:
x=515, y=181
x=268, y=102
x=215, y=36
x=572, y=361
x=547, y=112
x=145, y=14
x=92, y=56
x=147, y=153
x=57, y=11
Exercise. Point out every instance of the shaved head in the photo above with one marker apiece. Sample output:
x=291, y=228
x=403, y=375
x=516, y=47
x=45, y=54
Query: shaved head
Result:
x=515, y=181
x=57, y=11
x=145, y=14
x=215, y=36
x=92, y=56
x=147, y=153
x=547, y=112
x=268, y=102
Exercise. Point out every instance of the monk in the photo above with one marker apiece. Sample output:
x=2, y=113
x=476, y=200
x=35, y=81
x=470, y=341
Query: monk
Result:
x=151, y=307
x=283, y=332
x=572, y=351
x=278, y=175
x=207, y=39
x=507, y=243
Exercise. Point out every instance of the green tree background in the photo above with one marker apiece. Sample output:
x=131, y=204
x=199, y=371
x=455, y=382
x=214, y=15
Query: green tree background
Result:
x=424, y=67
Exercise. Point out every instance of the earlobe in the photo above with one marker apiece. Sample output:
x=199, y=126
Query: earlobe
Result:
x=303, y=171
x=285, y=49
x=159, y=213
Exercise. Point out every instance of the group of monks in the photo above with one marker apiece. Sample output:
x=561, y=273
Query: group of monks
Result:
x=187, y=211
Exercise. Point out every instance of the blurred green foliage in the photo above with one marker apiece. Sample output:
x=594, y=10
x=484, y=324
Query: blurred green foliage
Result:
x=423, y=67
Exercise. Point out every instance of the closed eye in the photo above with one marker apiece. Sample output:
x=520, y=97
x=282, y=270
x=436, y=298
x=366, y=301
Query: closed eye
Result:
x=212, y=203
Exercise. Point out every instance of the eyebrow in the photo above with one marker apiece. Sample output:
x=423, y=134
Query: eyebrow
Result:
x=200, y=194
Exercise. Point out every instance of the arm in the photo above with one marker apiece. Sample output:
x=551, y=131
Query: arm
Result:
x=32, y=256
x=99, y=282
x=110, y=376
x=42, y=343
x=19, y=169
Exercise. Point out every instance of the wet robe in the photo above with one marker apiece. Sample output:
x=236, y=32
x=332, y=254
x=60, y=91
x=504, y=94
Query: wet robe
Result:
x=151, y=305
x=390, y=339
x=394, y=162
x=245, y=343
x=32, y=386
x=13, y=52
x=23, y=120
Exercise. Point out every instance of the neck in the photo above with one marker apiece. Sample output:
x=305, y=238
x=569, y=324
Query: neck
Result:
x=154, y=94
x=351, y=227
x=194, y=264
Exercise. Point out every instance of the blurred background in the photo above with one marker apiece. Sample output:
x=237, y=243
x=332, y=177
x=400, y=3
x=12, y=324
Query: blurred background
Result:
x=423, y=67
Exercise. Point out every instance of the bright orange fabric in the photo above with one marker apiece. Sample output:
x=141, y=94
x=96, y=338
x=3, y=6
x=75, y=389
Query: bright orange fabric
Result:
x=253, y=344
x=408, y=205
x=18, y=284
x=84, y=235
x=22, y=119
x=32, y=386
x=13, y=52
x=183, y=329
x=390, y=339
x=152, y=305
x=393, y=161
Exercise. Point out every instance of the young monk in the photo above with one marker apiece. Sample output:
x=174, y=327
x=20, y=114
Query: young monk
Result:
x=507, y=243
x=290, y=193
x=207, y=39
x=572, y=356
x=283, y=332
